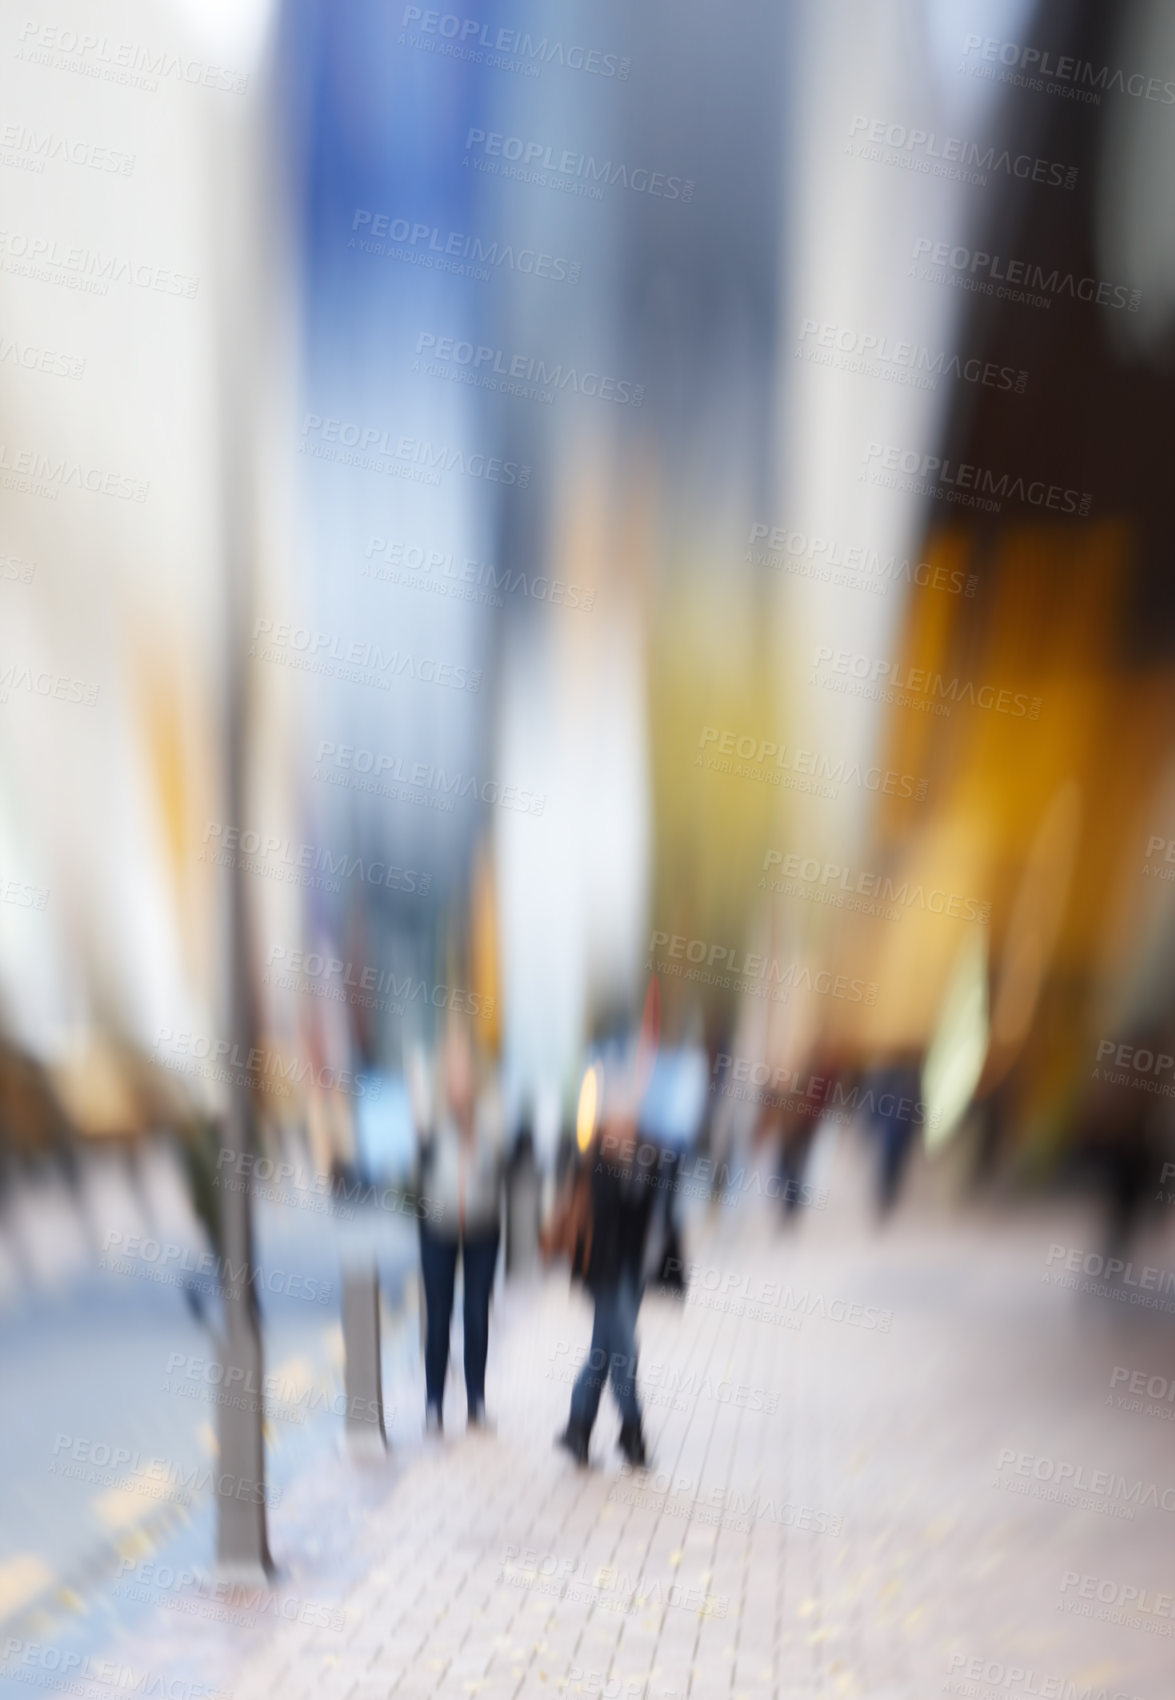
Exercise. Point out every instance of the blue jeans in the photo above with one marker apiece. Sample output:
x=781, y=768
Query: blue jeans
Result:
x=438, y=1266
x=612, y=1354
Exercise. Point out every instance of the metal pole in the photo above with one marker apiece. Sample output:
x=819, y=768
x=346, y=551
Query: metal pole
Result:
x=242, y=1541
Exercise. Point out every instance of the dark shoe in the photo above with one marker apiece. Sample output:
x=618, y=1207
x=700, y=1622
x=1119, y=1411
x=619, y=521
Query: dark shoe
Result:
x=433, y=1426
x=632, y=1444
x=575, y=1438
x=477, y=1419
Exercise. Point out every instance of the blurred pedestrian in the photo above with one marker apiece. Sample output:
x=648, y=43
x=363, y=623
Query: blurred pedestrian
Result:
x=461, y=1164
x=603, y=1224
x=897, y=1113
x=1121, y=1130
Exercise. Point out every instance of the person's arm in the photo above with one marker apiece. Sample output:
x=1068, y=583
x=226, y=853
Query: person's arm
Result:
x=489, y=1125
x=419, y=1096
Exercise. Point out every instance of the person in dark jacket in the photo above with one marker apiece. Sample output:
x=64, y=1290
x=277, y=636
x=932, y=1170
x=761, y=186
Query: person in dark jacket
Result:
x=621, y=1203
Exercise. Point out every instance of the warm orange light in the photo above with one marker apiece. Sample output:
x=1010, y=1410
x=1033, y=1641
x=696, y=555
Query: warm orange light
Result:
x=589, y=1103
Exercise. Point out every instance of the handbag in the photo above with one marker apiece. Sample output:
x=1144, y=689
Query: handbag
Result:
x=568, y=1233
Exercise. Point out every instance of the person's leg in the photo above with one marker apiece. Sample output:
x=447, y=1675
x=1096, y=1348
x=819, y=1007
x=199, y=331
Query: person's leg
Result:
x=438, y=1267
x=622, y=1352
x=479, y=1258
x=896, y=1141
x=793, y=1156
x=589, y=1384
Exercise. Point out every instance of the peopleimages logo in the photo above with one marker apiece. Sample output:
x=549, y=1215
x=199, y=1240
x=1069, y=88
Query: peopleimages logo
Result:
x=933, y=154
x=1016, y=279
x=120, y=61
x=570, y=167
x=358, y=661
x=455, y=251
x=1110, y=1277
x=468, y=580
x=1134, y=1065
x=36, y=359
x=966, y=1673
x=156, y=1478
x=826, y=559
x=300, y=864
x=610, y=1589
x=521, y=375
x=719, y=1288
x=46, y=475
x=1111, y=1601
x=32, y=149
x=375, y=447
x=1156, y=870
x=727, y=1508
x=66, y=1672
x=168, y=1263
x=726, y=965
x=826, y=1091
x=57, y=685
x=1070, y=1479
x=838, y=885
x=230, y=1063
x=1149, y=1395
x=963, y=482
x=875, y=355
x=881, y=678
x=1077, y=79
x=448, y=784
x=22, y=895
x=505, y=49
x=236, y=1602
x=334, y=978
x=762, y=754
x=87, y=269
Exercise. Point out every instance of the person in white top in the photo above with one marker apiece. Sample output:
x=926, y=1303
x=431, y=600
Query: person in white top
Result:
x=461, y=1185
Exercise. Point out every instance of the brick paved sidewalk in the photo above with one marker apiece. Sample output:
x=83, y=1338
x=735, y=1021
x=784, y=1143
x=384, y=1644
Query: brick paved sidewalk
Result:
x=830, y=1512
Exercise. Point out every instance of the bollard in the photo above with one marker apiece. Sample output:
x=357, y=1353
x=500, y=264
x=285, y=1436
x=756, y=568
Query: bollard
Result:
x=362, y=1379
x=242, y=1531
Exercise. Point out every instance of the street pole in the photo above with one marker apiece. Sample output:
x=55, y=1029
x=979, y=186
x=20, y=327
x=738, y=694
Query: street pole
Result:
x=242, y=1540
